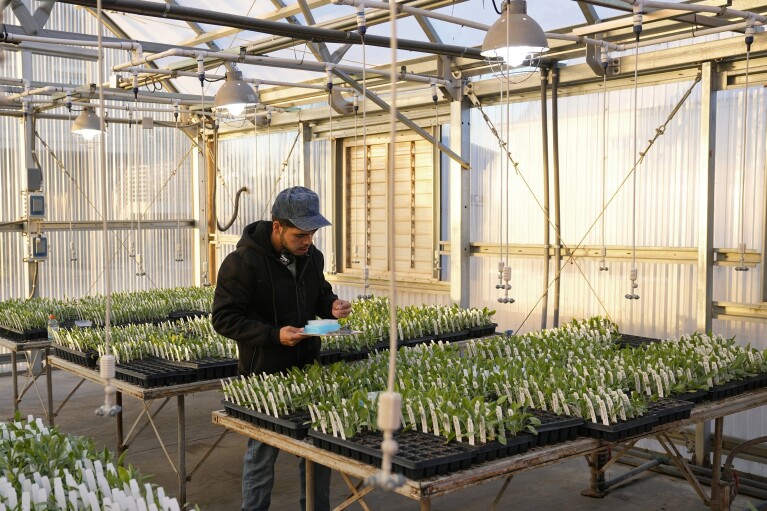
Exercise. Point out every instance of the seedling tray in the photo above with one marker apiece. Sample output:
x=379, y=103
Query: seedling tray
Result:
x=757, y=381
x=619, y=431
x=729, y=389
x=555, y=428
x=184, y=314
x=634, y=341
x=460, y=335
x=418, y=340
x=33, y=334
x=86, y=359
x=482, y=331
x=153, y=372
x=295, y=425
x=490, y=451
x=209, y=368
x=693, y=396
x=670, y=410
x=420, y=455
x=327, y=357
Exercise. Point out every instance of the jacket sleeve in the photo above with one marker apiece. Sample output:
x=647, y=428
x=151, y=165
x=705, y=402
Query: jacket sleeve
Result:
x=233, y=305
x=326, y=298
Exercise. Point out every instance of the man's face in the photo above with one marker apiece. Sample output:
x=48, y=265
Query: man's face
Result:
x=294, y=240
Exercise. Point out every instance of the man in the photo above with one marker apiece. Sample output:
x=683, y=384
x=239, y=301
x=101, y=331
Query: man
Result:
x=267, y=291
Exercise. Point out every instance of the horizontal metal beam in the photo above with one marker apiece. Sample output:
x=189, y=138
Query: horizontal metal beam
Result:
x=162, y=10
x=96, y=225
x=740, y=311
x=673, y=255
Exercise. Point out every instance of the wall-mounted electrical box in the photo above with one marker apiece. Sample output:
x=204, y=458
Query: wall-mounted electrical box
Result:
x=37, y=248
x=35, y=205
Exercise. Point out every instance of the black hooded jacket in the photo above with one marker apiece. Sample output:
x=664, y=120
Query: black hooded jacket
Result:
x=256, y=295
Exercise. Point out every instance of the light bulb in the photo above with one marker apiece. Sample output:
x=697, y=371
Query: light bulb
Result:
x=517, y=55
x=236, y=108
x=89, y=134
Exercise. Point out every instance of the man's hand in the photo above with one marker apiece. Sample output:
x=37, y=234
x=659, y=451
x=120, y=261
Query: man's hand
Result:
x=341, y=309
x=290, y=335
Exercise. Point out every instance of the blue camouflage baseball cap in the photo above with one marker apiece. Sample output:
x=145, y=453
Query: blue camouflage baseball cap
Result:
x=301, y=206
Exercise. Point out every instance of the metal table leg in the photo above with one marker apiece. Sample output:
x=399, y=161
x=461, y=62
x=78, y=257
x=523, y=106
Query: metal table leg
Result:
x=15, y=376
x=49, y=384
x=716, y=467
x=309, y=485
x=181, y=450
x=119, y=423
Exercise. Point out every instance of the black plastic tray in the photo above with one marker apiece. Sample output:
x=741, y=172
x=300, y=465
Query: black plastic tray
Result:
x=327, y=357
x=295, y=425
x=482, y=331
x=670, y=410
x=420, y=455
x=209, y=368
x=460, y=335
x=86, y=359
x=693, y=396
x=34, y=334
x=490, y=451
x=757, y=381
x=554, y=428
x=183, y=314
x=619, y=431
x=153, y=372
x=729, y=389
x=418, y=340
x=634, y=341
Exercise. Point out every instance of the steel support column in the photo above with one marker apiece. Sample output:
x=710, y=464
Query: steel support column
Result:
x=460, y=142
x=706, y=183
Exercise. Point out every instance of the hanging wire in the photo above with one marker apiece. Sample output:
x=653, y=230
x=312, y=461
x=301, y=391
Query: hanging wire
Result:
x=744, y=141
x=70, y=202
x=131, y=185
x=605, y=61
x=355, y=169
x=331, y=171
x=204, y=220
x=177, y=151
x=632, y=294
x=140, y=272
x=365, y=268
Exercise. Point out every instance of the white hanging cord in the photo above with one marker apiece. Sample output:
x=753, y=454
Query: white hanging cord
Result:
x=355, y=168
x=107, y=361
x=605, y=65
x=632, y=294
x=744, y=140
x=204, y=220
x=72, y=251
x=133, y=140
x=438, y=133
x=331, y=169
x=178, y=152
x=365, y=167
x=139, y=188
x=504, y=269
x=390, y=402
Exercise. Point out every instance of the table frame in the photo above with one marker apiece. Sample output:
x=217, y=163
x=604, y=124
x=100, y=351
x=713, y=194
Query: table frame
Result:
x=424, y=490
x=42, y=346
x=148, y=396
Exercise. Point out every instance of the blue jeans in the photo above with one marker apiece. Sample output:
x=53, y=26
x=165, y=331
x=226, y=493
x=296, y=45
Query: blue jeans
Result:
x=258, y=479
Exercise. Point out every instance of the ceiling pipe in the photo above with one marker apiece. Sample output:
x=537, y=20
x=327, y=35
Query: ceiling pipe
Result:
x=412, y=10
x=255, y=81
x=306, y=33
x=19, y=38
x=719, y=11
x=277, y=62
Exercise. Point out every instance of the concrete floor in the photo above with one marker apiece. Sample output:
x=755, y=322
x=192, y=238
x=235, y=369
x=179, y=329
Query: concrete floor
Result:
x=216, y=485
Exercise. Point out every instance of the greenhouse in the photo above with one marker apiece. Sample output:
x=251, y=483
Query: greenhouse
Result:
x=356, y=254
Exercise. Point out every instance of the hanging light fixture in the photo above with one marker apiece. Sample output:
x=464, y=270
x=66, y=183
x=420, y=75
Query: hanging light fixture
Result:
x=235, y=94
x=87, y=124
x=515, y=37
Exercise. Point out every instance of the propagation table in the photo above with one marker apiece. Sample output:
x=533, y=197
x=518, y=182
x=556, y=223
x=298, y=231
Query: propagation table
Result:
x=426, y=489
x=147, y=396
x=30, y=349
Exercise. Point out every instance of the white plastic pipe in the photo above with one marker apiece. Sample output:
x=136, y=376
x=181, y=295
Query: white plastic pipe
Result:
x=721, y=11
x=276, y=62
x=413, y=10
x=47, y=90
x=254, y=81
x=19, y=38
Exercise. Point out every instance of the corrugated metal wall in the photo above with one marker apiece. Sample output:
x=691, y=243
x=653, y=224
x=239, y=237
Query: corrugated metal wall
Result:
x=149, y=179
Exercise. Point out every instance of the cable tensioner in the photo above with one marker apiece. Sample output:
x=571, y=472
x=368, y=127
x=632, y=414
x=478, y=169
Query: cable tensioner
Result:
x=633, y=295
